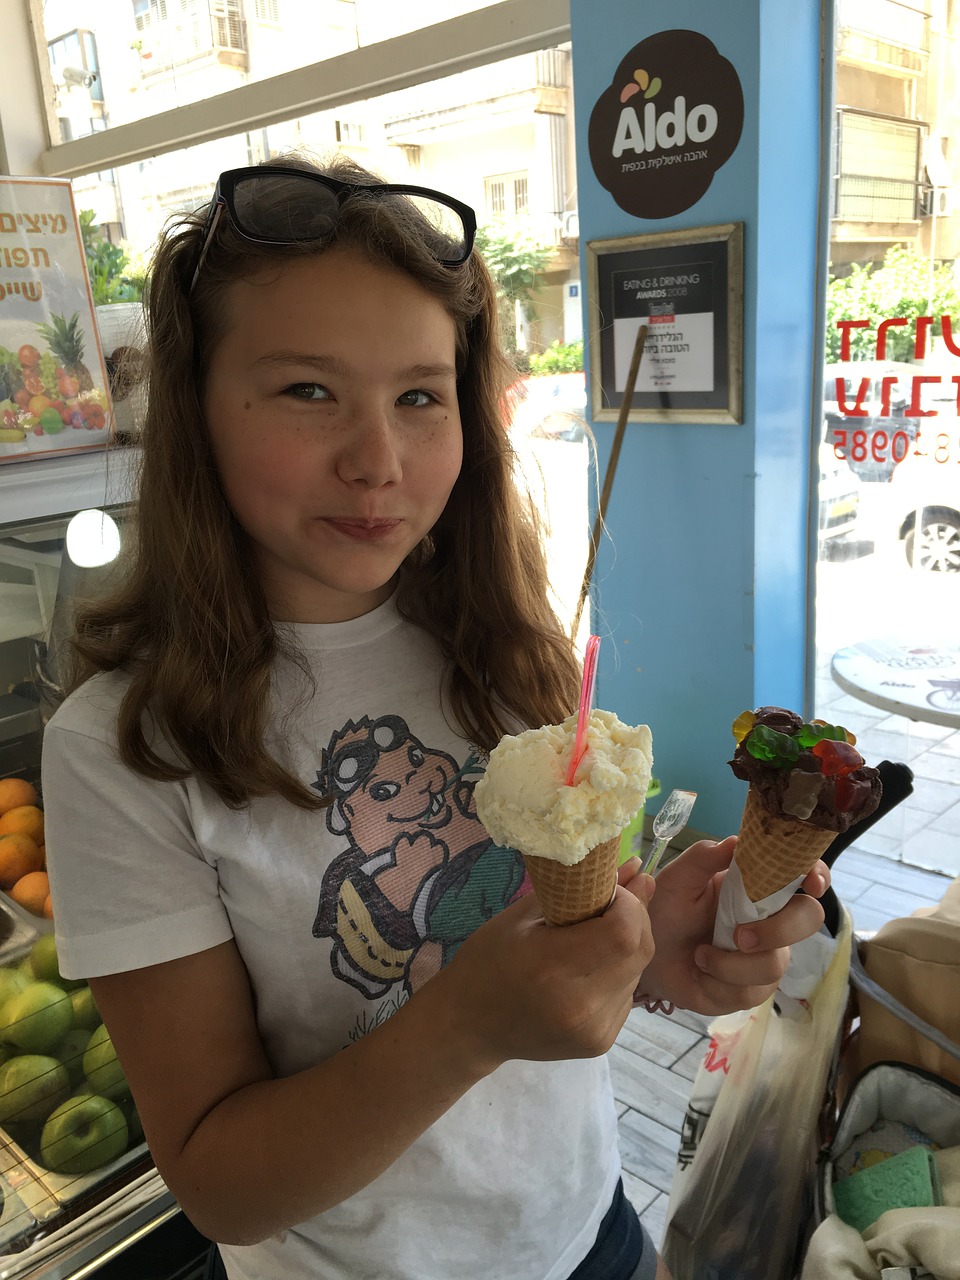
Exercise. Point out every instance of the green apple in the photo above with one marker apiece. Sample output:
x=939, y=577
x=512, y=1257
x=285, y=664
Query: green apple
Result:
x=45, y=965
x=82, y=1134
x=85, y=1011
x=36, y=1018
x=12, y=981
x=70, y=1052
x=101, y=1067
x=31, y=1085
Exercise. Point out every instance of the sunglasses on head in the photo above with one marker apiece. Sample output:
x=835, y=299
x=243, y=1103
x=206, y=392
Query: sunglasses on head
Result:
x=272, y=204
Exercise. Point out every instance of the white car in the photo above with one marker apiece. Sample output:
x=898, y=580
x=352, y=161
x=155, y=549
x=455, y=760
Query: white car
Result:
x=925, y=496
x=839, y=497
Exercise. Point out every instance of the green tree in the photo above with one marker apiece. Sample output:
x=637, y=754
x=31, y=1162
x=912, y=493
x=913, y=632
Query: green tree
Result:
x=112, y=276
x=559, y=357
x=905, y=284
x=517, y=263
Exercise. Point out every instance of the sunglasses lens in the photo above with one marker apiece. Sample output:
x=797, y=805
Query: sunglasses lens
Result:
x=447, y=225
x=288, y=208
x=284, y=209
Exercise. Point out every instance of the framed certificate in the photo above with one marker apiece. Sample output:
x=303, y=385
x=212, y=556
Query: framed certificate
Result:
x=687, y=288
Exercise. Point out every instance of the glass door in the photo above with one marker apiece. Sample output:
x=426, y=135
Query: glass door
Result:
x=888, y=576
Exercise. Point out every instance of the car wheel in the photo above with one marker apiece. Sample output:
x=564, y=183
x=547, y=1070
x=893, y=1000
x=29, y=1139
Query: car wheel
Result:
x=938, y=547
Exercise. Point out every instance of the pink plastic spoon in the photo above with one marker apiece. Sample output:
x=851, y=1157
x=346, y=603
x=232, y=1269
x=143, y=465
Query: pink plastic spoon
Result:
x=587, y=687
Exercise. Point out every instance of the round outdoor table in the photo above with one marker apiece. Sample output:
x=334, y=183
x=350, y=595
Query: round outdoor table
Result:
x=916, y=680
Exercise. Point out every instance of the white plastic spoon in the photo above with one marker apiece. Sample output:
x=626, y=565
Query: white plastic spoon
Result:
x=672, y=818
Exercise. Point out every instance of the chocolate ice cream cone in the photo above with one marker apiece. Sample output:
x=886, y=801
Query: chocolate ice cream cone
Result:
x=568, y=894
x=772, y=851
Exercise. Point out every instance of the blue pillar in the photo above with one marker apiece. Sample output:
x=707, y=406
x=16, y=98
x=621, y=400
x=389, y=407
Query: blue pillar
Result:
x=702, y=586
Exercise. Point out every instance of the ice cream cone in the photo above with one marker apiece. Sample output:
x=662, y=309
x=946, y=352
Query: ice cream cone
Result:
x=773, y=851
x=568, y=894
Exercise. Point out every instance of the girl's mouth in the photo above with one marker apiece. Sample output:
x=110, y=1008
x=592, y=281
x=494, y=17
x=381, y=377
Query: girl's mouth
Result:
x=361, y=530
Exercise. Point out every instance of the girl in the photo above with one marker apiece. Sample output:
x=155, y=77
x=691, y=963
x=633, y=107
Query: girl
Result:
x=356, y=1050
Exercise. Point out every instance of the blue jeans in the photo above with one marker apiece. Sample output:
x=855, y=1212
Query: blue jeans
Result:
x=623, y=1248
x=214, y=1270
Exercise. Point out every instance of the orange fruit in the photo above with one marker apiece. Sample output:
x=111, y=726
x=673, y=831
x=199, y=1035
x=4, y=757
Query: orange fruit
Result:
x=43, y=857
x=48, y=907
x=31, y=891
x=18, y=856
x=15, y=792
x=26, y=820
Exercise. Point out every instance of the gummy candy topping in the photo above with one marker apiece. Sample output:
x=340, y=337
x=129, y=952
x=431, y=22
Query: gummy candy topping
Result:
x=778, y=749
x=817, y=730
x=809, y=770
x=743, y=724
x=836, y=758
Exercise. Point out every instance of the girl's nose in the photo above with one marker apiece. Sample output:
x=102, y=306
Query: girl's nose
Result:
x=370, y=454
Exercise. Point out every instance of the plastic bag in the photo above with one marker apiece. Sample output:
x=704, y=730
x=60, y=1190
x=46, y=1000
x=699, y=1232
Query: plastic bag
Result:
x=739, y=1209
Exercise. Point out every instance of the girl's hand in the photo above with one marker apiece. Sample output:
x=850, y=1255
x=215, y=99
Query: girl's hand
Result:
x=692, y=973
x=542, y=992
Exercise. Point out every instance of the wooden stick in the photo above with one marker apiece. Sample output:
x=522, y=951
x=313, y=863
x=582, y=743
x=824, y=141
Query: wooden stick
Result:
x=610, y=472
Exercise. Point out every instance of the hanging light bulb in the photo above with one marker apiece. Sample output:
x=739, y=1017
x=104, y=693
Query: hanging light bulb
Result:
x=93, y=539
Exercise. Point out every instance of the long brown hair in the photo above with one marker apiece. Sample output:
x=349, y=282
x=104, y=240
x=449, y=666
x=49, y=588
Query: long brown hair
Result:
x=189, y=623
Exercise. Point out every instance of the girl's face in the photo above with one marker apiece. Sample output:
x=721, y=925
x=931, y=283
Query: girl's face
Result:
x=332, y=409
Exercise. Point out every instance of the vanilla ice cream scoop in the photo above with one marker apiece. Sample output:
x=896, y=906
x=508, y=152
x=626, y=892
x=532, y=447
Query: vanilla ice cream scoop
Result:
x=523, y=800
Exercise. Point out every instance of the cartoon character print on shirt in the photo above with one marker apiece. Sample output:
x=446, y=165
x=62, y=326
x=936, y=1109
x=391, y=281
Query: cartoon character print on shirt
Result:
x=420, y=873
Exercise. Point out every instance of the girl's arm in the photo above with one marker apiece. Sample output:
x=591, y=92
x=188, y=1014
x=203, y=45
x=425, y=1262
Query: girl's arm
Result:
x=247, y=1155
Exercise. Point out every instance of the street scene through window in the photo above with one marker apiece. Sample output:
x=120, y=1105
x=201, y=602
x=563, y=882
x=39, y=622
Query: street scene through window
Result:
x=888, y=574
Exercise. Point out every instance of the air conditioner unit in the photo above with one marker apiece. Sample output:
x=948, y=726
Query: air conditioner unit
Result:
x=945, y=201
x=570, y=225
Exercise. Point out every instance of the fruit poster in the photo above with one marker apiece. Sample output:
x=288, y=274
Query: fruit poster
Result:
x=53, y=380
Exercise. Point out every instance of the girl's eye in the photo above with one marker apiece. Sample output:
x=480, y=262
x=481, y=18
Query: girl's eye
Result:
x=416, y=399
x=307, y=391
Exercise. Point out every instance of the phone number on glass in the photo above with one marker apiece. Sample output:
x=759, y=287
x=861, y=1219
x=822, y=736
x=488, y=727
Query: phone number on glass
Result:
x=882, y=446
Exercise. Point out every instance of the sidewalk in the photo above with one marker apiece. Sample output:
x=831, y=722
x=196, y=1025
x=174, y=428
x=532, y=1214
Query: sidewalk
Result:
x=923, y=831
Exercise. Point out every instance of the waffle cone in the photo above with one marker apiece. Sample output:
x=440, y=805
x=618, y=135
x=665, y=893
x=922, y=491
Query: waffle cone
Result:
x=568, y=894
x=772, y=851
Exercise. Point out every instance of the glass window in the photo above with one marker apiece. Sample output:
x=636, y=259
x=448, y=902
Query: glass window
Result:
x=438, y=134
x=507, y=195
x=888, y=575
x=76, y=76
x=496, y=198
x=160, y=54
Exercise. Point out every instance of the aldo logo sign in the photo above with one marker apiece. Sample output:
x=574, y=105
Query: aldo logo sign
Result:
x=672, y=116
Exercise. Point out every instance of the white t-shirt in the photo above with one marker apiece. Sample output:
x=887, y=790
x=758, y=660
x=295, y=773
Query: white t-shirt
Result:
x=513, y=1180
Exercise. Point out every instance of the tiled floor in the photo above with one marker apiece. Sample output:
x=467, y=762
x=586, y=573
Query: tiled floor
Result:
x=656, y=1057
x=923, y=831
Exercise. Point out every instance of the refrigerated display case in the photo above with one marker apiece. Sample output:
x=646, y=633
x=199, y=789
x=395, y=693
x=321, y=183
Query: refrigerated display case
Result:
x=103, y=1209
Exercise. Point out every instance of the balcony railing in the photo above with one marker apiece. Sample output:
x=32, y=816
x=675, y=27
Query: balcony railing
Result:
x=200, y=27
x=864, y=198
x=890, y=34
x=877, y=176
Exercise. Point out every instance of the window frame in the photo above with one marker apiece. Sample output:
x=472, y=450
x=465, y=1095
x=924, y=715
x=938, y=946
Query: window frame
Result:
x=474, y=39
